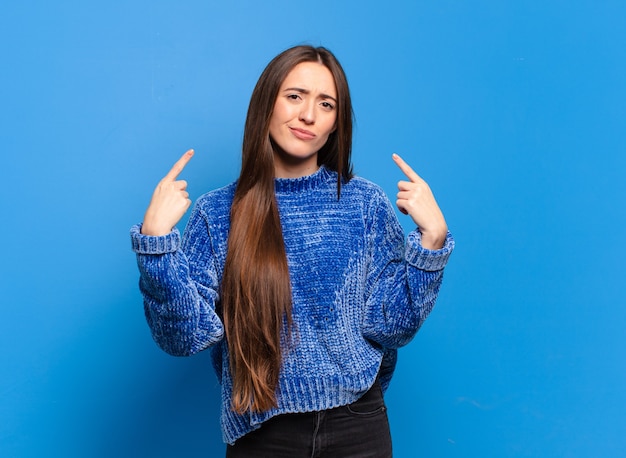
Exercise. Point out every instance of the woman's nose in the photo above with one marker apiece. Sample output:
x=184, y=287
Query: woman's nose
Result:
x=307, y=113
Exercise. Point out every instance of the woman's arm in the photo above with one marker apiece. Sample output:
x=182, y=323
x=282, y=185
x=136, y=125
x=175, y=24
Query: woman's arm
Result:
x=403, y=280
x=179, y=287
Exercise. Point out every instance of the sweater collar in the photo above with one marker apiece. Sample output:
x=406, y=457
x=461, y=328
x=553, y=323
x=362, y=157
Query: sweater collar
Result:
x=305, y=183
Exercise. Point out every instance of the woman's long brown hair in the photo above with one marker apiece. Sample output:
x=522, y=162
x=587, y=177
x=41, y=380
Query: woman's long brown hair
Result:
x=256, y=290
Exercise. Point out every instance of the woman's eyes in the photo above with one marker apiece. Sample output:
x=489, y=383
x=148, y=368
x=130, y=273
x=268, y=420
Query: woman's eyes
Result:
x=326, y=105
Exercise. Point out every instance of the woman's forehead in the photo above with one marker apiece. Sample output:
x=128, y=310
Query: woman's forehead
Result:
x=312, y=77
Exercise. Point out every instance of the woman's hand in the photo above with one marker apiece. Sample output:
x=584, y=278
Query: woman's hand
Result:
x=170, y=201
x=416, y=200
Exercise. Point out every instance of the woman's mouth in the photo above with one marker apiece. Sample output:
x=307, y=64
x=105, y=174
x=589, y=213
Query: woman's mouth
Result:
x=302, y=134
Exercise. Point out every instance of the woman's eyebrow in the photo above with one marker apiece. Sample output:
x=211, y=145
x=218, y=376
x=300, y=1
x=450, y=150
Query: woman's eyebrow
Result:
x=306, y=91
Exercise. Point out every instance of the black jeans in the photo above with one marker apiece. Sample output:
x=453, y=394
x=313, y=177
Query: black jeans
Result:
x=358, y=430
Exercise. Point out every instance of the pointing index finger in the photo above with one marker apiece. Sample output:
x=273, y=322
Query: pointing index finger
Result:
x=406, y=169
x=178, y=166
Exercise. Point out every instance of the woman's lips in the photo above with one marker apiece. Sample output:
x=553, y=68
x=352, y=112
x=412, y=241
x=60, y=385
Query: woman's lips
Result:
x=302, y=134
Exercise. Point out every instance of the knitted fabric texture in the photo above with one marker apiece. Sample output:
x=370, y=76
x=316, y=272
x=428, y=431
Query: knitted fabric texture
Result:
x=359, y=291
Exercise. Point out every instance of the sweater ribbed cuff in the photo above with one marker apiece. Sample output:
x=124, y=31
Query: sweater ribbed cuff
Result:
x=149, y=244
x=425, y=259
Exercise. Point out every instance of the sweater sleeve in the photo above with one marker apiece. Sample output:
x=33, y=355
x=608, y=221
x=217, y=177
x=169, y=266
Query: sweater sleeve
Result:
x=179, y=284
x=403, y=280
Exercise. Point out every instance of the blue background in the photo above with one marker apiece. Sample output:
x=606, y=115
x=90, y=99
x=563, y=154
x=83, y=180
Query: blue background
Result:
x=512, y=111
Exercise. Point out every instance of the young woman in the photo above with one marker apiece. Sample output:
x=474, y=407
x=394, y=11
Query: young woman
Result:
x=297, y=276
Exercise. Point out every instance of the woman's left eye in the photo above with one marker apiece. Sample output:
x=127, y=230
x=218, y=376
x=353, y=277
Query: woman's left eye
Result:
x=328, y=105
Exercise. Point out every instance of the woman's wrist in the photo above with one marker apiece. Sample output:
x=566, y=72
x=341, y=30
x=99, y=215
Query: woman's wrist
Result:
x=433, y=240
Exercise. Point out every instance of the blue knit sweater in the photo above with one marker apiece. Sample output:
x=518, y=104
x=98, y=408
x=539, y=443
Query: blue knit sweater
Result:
x=359, y=291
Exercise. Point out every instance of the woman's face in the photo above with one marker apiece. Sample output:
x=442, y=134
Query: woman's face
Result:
x=304, y=116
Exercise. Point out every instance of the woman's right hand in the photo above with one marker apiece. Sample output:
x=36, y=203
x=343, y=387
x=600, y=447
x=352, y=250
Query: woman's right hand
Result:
x=169, y=202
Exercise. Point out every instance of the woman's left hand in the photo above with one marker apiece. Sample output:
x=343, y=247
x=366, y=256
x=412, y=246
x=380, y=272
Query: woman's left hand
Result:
x=416, y=200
